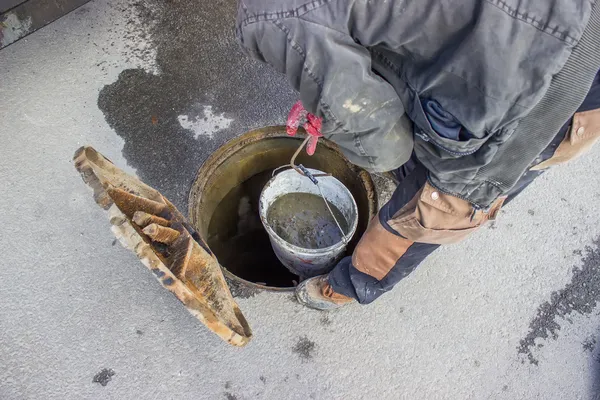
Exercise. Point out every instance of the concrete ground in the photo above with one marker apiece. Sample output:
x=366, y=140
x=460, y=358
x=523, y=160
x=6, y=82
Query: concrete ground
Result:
x=156, y=86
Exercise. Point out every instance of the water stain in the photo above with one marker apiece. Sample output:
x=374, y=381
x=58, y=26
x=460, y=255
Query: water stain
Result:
x=304, y=348
x=200, y=66
x=104, y=376
x=589, y=344
x=325, y=321
x=581, y=295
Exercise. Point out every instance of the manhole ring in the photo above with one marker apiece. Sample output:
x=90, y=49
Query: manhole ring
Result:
x=242, y=160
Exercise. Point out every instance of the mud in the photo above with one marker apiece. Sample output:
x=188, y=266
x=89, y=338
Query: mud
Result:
x=302, y=219
x=304, y=348
x=104, y=376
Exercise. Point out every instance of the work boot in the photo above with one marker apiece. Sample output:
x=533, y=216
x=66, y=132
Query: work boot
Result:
x=317, y=293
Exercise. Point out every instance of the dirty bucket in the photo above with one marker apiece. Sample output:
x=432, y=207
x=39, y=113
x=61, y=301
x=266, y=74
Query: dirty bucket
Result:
x=306, y=261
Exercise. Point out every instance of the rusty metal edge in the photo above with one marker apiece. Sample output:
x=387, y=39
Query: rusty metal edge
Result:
x=90, y=164
x=31, y=15
x=220, y=156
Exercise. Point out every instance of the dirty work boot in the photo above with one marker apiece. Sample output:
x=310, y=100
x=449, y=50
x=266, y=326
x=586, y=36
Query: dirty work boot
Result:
x=317, y=293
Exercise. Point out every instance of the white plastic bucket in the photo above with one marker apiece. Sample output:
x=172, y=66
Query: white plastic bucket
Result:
x=308, y=262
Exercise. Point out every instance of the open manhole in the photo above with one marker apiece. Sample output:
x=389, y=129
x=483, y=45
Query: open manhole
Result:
x=223, y=202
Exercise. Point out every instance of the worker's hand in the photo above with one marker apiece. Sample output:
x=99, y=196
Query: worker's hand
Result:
x=312, y=125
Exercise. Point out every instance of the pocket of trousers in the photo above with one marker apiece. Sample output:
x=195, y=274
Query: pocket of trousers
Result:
x=438, y=218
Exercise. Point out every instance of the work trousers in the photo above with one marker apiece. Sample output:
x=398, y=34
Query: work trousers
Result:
x=419, y=217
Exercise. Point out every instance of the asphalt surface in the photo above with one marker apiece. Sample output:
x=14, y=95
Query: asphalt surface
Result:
x=511, y=313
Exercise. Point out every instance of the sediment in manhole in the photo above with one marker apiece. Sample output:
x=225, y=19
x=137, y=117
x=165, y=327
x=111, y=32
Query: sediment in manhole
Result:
x=223, y=202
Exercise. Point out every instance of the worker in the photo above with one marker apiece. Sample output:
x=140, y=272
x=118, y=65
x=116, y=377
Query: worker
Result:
x=465, y=101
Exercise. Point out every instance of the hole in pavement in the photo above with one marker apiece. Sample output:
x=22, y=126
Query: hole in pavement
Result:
x=224, y=202
x=239, y=240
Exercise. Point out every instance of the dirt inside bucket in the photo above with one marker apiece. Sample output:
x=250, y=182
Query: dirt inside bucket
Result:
x=303, y=219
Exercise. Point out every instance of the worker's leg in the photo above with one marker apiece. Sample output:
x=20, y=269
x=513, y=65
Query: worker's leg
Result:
x=400, y=237
x=381, y=259
x=385, y=256
x=418, y=218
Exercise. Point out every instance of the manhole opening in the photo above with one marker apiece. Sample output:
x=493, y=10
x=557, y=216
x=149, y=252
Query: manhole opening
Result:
x=224, y=202
x=239, y=240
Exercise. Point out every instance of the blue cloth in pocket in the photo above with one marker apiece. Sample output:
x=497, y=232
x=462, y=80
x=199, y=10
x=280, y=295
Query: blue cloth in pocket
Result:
x=444, y=123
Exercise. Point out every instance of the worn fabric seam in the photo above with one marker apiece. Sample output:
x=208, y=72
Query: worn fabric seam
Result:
x=533, y=21
x=296, y=12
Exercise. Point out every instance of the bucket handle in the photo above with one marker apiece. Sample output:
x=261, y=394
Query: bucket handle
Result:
x=299, y=168
x=302, y=170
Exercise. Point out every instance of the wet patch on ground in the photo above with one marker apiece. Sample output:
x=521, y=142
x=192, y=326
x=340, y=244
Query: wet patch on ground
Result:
x=581, y=296
x=325, y=320
x=304, y=348
x=227, y=393
x=104, y=376
x=200, y=68
x=589, y=344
